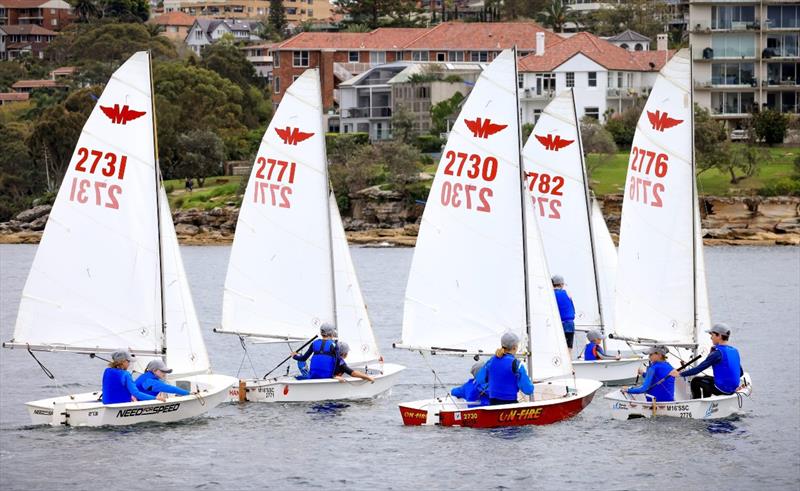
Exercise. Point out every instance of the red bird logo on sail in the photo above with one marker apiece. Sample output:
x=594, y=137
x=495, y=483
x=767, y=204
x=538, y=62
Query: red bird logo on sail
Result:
x=483, y=128
x=121, y=116
x=292, y=136
x=662, y=121
x=554, y=143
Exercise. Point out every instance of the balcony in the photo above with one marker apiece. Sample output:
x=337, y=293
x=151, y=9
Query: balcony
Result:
x=626, y=92
x=367, y=112
x=770, y=25
x=541, y=95
x=719, y=83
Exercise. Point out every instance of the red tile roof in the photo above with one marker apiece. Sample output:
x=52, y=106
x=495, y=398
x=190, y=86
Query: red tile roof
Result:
x=598, y=50
x=20, y=29
x=14, y=96
x=26, y=4
x=64, y=70
x=385, y=38
x=36, y=84
x=176, y=18
x=483, y=36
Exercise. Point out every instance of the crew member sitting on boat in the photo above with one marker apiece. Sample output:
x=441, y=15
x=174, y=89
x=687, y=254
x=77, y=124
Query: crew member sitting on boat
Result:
x=725, y=363
x=342, y=368
x=566, y=308
x=504, y=374
x=474, y=392
x=325, y=353
x=593, y=350
x=658, y=384
x=152, y=380
x=118, y=384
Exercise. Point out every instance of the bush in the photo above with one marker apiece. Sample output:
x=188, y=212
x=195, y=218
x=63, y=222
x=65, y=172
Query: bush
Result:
x=429, y=143
x=169, y=187
x=356, y=138
x=782, y=187
x=620, y=131
x=770, y=126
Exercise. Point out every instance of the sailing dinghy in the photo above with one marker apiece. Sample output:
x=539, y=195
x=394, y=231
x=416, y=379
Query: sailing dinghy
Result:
x=123, y=286
x=661, y=294
x=576, y=239
x=479, y=268
x=290, y=269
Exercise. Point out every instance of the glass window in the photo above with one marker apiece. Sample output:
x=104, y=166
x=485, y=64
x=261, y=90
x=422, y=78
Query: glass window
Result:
x=377, y=57
x=783, y=16
x=732, y=73
x=733, y=45
x=783, y=45
x=277, y=85
x=733, y=17
x=619, y=79
x=441, y=56
x=455, y=56
x=352, y=56
x=537, y=113
x=276, y=59
x=592, y=112
x=479, y=56
x=419, y=56
x=570, y=79
x=732, y=102
x=520, y=80
x=300, y=58
x=592, y=79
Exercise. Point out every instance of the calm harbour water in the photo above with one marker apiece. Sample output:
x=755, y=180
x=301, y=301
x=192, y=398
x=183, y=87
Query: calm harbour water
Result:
x=363, y=445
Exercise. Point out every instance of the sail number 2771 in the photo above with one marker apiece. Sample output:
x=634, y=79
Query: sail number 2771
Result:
x=472, y=166
x=279, y=191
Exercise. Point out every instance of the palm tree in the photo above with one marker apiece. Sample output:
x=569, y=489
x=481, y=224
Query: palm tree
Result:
x=86, y=9
x=555, y=15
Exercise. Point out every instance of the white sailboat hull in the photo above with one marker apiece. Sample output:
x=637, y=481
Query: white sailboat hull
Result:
x=633, y=406
x=289, y=389
x=87, y=410
x=610, y=372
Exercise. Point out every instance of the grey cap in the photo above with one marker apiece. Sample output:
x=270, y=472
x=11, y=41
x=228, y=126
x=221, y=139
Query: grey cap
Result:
x=722, y=329
x=557, y=279
x=327, y=329
x=123, y=355
x=157, y=365
x=658, y=349
x=594, y=334
x=344, y=348
x=475, y=369
x=509, y=340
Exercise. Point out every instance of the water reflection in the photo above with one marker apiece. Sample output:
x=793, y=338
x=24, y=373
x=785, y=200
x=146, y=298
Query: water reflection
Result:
x=327, y=410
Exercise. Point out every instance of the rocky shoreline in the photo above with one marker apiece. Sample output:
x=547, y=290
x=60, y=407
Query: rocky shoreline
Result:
x=384, y=218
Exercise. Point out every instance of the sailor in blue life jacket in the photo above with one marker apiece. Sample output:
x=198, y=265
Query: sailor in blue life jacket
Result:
x=118, y=384
x=152, y=380
x=658, y=384
x=474, y=392
x=504, y=374
x=325, y=353
x=724, y=361
x=566, y=310
x=593, y=350
x=342, y=368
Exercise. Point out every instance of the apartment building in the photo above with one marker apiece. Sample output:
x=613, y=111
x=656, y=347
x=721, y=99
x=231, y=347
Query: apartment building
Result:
x=175, y=25
x=746, y=57
x=260, y=55
x=205, y=31
x=50, y=14
x=297, y=11
x=340, y=56
x=606, y=79
x=24, y=40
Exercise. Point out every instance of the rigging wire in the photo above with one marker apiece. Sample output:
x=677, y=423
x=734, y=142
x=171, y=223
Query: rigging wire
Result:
x=46, y=370
x=247, y=357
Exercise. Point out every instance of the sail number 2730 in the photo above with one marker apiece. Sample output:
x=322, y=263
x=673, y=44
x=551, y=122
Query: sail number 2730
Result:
x=472, y=166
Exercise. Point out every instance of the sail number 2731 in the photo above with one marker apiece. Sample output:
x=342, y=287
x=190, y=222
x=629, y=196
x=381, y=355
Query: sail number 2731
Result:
x=651, y=167
x=99, y=193
x=472, y=166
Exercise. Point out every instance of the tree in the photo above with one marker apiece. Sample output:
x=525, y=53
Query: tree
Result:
x=86, y=10
x=377, y=13
x=402, y=124
x=770, y=126
x=107, y=44
x=527, y=129
x=230, y=62
x=127, y=10
x=348, y=170
x=20, y=178
x=714, y=151
x=277, y=17
x=643, y=16
x=596, y=140
x=622, y=126
x=10, y=72
x=442, y=111
x=200, y=154
x=555, y=15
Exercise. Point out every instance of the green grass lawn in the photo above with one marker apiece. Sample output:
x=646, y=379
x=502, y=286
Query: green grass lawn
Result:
x=216, y=192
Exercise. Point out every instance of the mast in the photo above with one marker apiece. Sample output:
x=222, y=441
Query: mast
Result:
x=694, y=205
x=589, y=215
x=157, y=174
x=522, y=198
x=330, y=231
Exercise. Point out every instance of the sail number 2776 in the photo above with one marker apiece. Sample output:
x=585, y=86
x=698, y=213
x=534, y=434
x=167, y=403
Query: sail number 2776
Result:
x=650, y=167
x=472, y=166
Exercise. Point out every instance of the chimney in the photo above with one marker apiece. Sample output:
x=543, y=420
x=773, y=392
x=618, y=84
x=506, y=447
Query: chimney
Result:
x=540, y=43
x=661, y=42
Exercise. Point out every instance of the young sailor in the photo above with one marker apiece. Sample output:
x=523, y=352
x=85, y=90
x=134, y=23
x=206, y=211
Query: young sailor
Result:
x=474, y=392
x=152, y=380
x=725, y=362
x=566, y=308
x=593, y=350
x=325, y=354
x=658, y=384
x=504, y=374
x=118, y=384
x=342, y=368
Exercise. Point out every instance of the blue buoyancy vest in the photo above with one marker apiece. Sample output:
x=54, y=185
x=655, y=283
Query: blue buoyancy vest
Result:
x=727, y=372
x=665, y=390
x=588, y=352
x=323, y=362
x=502, y=375
x=115, y=387
x=149, y=383
x=565, y=306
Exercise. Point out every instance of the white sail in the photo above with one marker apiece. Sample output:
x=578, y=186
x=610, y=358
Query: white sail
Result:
x=352, y=319
x=548, y=348
x=655, y=291
x=280, y=276
x=94, y=283
x=606, y=259
x=701, y=288
x=554, y=177
x=186, y=350
x=466, y=284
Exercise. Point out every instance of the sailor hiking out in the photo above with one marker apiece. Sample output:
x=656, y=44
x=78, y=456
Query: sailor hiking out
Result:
x=658, y=384
x=152, y=380
x=504, y=374
x=724, y=361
